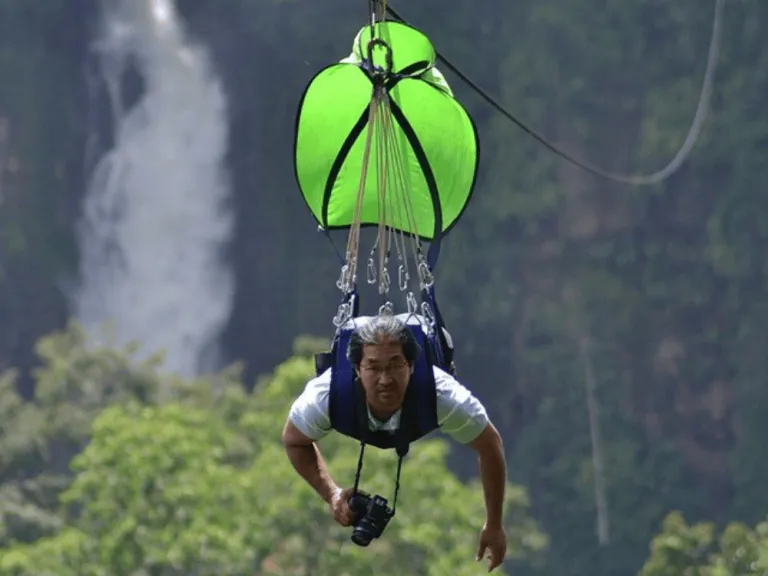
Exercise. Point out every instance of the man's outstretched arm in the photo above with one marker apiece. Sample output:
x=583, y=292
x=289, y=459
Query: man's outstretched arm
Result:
x=465, y=419
x=493, y=473
x=308, y=462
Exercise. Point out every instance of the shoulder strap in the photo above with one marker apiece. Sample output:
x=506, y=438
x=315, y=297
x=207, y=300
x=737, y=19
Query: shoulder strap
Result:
x=445, y=352
x=409, y=416
x=361, y=410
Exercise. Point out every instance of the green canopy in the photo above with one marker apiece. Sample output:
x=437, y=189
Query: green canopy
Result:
x=432, y=142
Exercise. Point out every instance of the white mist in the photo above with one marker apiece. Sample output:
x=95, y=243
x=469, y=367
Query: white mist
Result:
x=156, y=216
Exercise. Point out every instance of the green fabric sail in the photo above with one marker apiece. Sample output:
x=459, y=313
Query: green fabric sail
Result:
x=435, y=139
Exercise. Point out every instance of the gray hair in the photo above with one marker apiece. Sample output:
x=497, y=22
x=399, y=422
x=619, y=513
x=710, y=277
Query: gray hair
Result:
x=379, y=328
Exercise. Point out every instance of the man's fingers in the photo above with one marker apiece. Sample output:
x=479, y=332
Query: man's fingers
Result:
x=341, y=510
x=345, y=511
x=497, y=557
x=342, y=518
x=481, y=550
x=343, y=502
x=342, y=513
x=493, y=563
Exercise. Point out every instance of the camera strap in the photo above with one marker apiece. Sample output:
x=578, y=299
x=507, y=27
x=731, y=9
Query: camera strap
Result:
x=400, y=456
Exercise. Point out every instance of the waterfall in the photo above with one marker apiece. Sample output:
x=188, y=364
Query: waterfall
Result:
x=156, y=215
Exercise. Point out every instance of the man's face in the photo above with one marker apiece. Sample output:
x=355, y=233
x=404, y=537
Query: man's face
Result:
x=384, y=373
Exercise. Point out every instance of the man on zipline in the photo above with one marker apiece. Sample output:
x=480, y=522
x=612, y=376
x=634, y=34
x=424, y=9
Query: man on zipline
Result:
x=383, y=352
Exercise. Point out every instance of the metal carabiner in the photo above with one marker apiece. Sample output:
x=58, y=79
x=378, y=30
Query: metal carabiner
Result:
x=403, y=277
x=378, y=72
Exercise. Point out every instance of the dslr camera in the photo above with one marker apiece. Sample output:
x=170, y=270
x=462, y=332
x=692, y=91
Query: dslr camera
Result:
x=371, y=517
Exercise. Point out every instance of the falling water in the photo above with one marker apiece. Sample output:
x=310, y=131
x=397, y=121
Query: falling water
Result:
x=155, y=217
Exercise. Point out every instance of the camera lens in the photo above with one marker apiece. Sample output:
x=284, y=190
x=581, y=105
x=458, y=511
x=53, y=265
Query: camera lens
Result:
x=361, y=536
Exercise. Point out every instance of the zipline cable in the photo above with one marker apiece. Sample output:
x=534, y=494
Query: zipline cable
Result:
x=638, y=180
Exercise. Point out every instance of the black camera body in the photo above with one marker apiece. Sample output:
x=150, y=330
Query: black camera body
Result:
x=372, y=514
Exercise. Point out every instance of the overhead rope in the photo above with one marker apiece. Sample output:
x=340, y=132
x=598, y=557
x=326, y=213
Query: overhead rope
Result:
x=5, y=131
x=638, y=180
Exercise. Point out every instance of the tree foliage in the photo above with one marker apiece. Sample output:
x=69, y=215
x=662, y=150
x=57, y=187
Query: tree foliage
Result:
x=697, y=550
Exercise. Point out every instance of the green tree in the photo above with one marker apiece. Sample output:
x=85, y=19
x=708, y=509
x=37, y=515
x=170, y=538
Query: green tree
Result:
x=697, y=550
x=39, y=437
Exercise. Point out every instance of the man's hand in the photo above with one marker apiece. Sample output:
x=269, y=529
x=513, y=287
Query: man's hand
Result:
x=493, y=540
x=339, y=506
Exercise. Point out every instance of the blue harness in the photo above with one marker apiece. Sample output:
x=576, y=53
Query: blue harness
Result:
x=347, y=404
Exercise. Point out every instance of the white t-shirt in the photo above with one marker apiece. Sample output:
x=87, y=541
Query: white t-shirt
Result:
x=459, y=414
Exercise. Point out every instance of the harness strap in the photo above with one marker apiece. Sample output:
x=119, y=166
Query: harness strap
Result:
x=433, y=254
x=445, y=352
